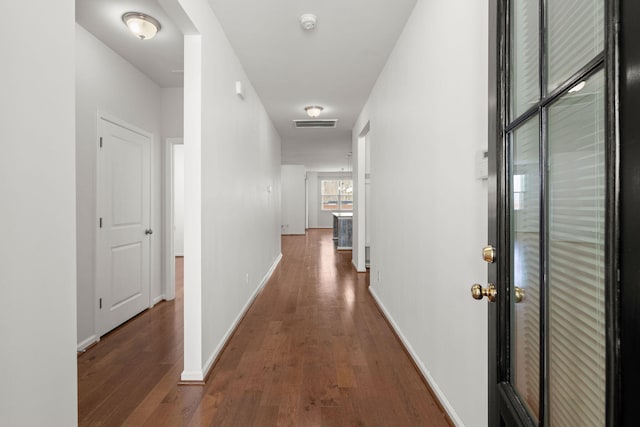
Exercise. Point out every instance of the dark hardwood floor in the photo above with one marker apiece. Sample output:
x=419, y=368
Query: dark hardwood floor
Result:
x=313, y=350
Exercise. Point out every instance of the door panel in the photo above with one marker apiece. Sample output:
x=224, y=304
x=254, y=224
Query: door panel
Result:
x=126, y=274
x=550, y=216
x=123, y=262
x=127, y=164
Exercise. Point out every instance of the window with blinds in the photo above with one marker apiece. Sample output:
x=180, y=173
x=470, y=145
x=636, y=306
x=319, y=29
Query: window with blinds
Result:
x=569, y=143
x=575, y=36
x=577, y=359
x=525, y=91
x=525, y=268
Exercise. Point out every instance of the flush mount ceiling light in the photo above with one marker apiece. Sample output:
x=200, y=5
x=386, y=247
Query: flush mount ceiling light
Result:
x=313, y=110
x=308, y=21
x=141, y=25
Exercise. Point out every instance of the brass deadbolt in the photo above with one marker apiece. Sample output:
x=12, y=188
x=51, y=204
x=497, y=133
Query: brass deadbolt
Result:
x=489, y=254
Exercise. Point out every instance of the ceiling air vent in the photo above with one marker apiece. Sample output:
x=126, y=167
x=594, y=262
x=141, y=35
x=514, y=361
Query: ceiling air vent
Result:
x=315, y=124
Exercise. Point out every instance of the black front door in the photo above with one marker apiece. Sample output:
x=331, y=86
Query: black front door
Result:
x=553, y=218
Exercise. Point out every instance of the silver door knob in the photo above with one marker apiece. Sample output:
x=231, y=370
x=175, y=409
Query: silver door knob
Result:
x=148, y=231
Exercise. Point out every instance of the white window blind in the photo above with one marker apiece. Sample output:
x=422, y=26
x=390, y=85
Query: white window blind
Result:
x=526, y=263
x=575, y=168
x=575, y=36
x=525, y=91
x=577, y=349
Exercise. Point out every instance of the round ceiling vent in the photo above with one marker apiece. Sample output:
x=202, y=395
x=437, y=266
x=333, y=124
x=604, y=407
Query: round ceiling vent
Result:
x=308, y=21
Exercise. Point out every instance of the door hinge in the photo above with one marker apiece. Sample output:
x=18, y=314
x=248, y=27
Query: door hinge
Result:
x=100, y=303
x=100, y=142
x=100, y=222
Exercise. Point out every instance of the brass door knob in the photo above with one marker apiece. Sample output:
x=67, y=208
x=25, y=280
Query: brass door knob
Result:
x=519, y=294
x=478, y=292
x=489, y=254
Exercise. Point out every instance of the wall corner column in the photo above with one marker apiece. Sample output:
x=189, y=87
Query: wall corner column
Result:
x=193, y=368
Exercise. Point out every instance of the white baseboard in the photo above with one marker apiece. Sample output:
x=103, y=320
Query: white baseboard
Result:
x=425, y=372
x=356, y=267
x=157, y=300
x=87, y=343
x=193, y=376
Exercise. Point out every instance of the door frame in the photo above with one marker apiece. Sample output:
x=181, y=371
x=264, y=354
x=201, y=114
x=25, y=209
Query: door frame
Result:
x=102, y=115
x=496, y=157
x=360, y=207
x=622, y=204
x=626, y=95
x=169, y=285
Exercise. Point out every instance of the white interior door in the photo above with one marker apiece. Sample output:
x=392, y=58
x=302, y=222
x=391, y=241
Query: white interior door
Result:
x=124, y=234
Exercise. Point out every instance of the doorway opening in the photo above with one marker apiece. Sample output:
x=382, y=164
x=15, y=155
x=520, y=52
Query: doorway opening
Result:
x=174, y=214
x=363, y=208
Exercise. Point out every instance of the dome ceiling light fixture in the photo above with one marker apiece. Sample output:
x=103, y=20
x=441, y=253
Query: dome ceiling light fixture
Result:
x=313, y=110
x=141, y=25
x=308, y=21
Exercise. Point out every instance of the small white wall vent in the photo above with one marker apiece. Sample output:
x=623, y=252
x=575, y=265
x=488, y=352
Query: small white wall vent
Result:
x=316, y=123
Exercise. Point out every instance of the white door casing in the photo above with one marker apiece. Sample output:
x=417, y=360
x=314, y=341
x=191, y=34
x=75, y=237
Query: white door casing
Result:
x=123, y=242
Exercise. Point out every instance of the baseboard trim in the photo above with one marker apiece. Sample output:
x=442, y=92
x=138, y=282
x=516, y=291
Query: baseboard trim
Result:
x=200, y=378
x=452, y=417
x=185, y=379
x=191, y=378
x=157, y=299
x=88, y=343
x=353, y=263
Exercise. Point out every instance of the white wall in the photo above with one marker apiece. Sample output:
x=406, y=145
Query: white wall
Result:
x=313, y=201
x=37, y=219
x=232, y=220
x=428, y=119
x=106, y=82
x=293, y=199
x=317, y=217
x=178, y=200
x=172, y=112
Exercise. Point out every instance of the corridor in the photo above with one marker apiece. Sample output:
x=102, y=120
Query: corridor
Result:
x=313, y=350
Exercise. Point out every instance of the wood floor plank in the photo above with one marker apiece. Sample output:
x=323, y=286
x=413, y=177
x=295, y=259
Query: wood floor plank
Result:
x=313, y=350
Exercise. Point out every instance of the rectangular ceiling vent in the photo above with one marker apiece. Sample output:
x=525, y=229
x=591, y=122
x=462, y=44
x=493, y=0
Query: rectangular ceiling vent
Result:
x=315, y=123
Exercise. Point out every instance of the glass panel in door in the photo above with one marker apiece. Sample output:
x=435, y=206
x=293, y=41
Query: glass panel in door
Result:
x=525, y=269
x=576, y=248
x=575, y=37
x=525, y=91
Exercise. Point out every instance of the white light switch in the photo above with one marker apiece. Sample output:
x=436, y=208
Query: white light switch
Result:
x=239, y=91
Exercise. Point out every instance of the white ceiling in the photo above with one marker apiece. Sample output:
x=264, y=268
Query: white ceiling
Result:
x=159, y=58
x=334, y=66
